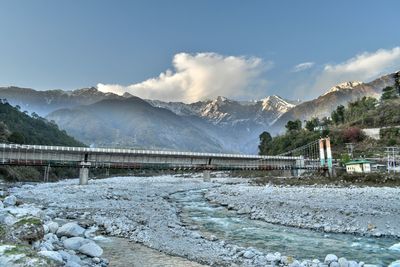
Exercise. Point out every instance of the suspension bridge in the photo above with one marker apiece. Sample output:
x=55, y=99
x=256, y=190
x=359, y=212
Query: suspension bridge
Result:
x=309, y=157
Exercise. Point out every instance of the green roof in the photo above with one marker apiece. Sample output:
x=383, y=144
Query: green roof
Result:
x=359, y=161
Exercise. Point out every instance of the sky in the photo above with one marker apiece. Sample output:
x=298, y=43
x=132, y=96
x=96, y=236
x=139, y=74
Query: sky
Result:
x=180, y=50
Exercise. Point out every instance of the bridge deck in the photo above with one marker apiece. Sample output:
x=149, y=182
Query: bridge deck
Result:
x=15, y=154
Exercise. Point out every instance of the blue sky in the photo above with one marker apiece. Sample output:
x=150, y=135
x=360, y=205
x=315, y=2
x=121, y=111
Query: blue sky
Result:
x=191, y=50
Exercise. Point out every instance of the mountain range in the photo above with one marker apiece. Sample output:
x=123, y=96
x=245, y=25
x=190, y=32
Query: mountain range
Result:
x=216, y=125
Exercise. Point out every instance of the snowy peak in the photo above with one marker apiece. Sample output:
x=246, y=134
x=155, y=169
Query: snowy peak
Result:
x=342, y=86
x=275, y=103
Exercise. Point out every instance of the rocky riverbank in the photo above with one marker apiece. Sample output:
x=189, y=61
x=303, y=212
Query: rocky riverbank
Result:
x=140, y=209
x=372, y=211
x=31, y=235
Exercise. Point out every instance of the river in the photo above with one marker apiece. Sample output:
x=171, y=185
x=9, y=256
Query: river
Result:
x=289, y=241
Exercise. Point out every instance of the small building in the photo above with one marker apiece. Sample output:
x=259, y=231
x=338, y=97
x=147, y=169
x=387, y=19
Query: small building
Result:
x=358, y=166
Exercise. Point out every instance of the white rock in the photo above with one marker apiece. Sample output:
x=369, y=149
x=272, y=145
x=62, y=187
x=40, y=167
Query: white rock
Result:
x=96, y=260
x=91, y=249
x=75, y=243
x=70, y=229
x=395, y=264
x=69, y=257
x=1, y=205
x=54, y=255
x=53, y=227
x=353, y=264
x=330, y=258
x=249, y=254
x=395, y=247
x=72, y=264
x=51, y=237
x=334, y=264
x=10, y=201
x=343, y=262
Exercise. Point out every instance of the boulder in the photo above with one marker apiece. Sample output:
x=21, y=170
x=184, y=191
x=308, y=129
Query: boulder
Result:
x=343, y=262
x=29, y=229
x=75, y=243
x=53, y=227
x=53, y=255
x=395, y=264
x=91, y=249
x=330, y=258
x=353, y=264
x=10, y=201
x=70, y=229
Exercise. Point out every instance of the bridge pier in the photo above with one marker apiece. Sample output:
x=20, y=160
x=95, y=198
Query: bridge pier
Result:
x=299, y=170
x=206, y=176
x=84, y=173
x=83, y=176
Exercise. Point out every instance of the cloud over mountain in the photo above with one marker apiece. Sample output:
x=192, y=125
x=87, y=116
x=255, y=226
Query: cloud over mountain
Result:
x=199, y=76
x=363, y=67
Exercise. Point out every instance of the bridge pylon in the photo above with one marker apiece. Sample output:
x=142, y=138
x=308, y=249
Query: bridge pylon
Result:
x=84, y=173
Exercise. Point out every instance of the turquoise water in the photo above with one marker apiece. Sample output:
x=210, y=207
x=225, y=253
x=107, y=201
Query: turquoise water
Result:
x=289, y=241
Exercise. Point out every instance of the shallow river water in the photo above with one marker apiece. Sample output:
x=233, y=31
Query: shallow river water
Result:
x=289, y=241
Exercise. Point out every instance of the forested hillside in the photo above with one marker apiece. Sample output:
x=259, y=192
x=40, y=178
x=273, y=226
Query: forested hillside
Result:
x=345, y=126
x=18, y=127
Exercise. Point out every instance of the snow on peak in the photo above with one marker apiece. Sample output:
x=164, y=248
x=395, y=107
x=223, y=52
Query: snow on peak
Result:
x=275, y=102
x=345, y=85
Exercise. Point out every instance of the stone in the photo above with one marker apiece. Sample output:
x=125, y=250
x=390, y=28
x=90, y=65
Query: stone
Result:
x=1, y=205
x=53, y=227
x=353, y=264
x=75, y=243
x=28, y=229
x=10, y=201
x=45, y=229
x=51, y=237
x=395, y=264
x=249, y=254
x=96, y=260
x=53, y=255
x=395, y=247
x=334, y=264
x=294, y=264
x=330, y=258
x=91, y=249
x=271, y=257
x=6, y=218
x=68, y=257
x=72, y=264
x=70, y=229
x=343, y=262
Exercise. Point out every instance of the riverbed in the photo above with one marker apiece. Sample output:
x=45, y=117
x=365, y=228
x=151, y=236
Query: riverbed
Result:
x=170, y=215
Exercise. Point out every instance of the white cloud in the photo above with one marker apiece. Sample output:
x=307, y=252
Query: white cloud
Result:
x=363, y=67
x=200, y=76
x=303, y=66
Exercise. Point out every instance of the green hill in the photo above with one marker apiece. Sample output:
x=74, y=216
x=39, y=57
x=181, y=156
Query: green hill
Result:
x=19, y=127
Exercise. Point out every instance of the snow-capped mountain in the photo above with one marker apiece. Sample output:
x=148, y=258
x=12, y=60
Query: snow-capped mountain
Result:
x=226, y=111
x=219, y=124
x=345, y=85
